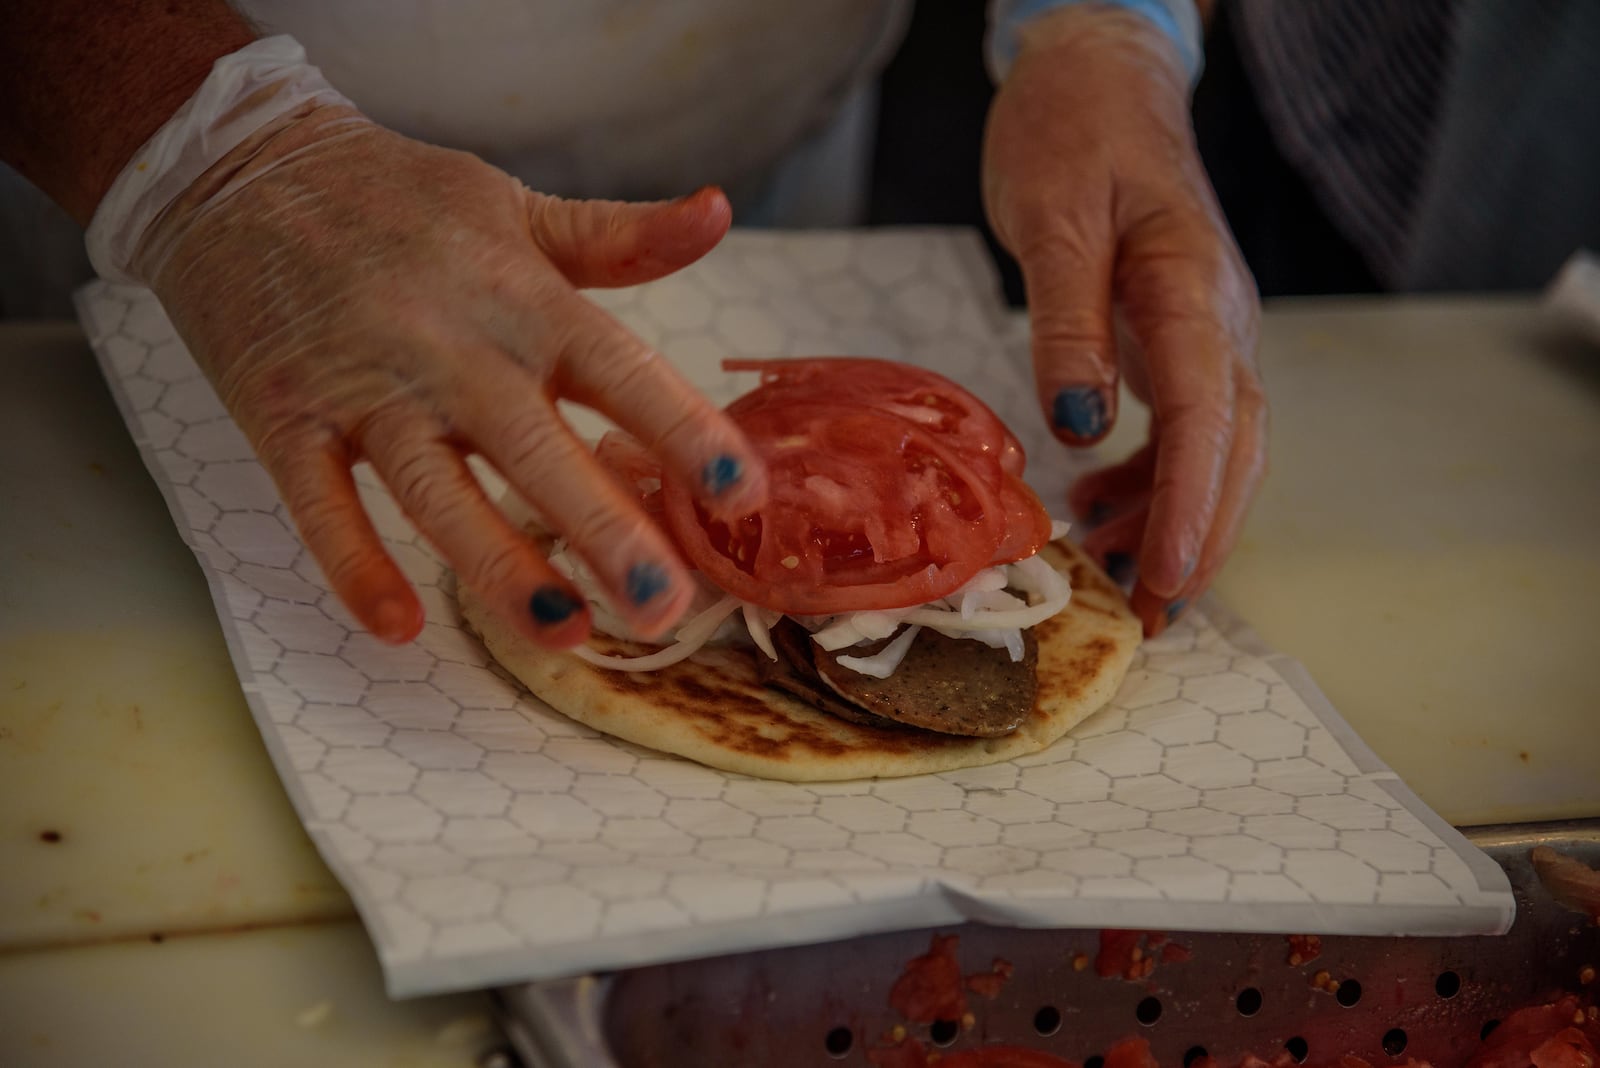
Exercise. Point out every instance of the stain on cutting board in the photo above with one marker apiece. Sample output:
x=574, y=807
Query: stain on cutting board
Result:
x=149, y=805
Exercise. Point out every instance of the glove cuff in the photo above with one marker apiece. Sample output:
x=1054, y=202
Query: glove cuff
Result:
x=245, y=91
x=1178, y=19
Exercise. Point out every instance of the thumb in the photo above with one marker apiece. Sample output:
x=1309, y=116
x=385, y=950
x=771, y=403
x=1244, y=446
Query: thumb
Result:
x=605, y=243
x=1068, y=280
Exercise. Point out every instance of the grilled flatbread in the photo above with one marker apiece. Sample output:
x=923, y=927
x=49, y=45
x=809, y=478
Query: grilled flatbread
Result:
x=714, y=708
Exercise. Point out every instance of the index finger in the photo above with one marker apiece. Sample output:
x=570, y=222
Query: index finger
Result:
x=606, y=367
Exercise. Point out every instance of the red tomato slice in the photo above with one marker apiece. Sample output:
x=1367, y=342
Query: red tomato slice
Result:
x=866, y=511
x=920, y=395
x=633, y=467
x=1027, y=523
x=890, y=486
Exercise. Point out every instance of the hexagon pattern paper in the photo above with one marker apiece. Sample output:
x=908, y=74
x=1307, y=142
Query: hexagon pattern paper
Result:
x=486, y=839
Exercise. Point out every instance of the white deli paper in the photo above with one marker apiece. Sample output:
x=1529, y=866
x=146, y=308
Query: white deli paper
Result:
x=486, y=839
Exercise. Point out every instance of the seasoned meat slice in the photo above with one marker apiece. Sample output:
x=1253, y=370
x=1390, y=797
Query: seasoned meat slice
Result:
x=795, y=674
x=947, y=685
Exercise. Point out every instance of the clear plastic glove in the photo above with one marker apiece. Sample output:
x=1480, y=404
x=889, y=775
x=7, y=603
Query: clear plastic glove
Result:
x=1092, y=180
x=356, y=295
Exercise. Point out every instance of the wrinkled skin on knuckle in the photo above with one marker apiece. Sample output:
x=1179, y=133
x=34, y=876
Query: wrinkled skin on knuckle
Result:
x=629, y=371
x=494, y=572
x=289, y=450
x=692, y=435
x=1069, y=327
x=531, y=438
x=1173, y=252
x=599, y=360
x=272, y=398
x=605, y=530
x=320, y=513
x=427, y=492
x=268, y=405
x=557, y=221
x=1205, y=421
x=346, y=569
x=1066, y=243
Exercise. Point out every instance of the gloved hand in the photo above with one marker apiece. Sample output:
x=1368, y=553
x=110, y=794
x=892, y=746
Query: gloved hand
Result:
x=1092, y=180
x=356, y=295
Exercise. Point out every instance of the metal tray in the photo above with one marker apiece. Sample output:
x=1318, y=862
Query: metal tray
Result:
x=1383, y=999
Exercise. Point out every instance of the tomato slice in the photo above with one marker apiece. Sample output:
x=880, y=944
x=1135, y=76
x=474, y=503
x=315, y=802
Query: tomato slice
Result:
x=917, y=394
x=890, y=486
x=1027, y=522
x=633, y=467
x=866, y=511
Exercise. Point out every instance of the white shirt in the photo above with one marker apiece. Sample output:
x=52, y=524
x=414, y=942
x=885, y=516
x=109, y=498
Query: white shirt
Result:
x=610, y=98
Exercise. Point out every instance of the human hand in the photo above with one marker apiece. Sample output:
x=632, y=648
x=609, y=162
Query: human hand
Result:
x=1092, y=180
x=356, y=295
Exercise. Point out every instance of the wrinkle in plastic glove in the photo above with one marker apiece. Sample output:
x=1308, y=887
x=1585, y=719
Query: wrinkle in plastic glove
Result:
x=1092, y=180
x=356, y=295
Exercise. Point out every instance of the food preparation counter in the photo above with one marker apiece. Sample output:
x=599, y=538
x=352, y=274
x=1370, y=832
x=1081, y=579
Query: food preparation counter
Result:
x=1425, y=544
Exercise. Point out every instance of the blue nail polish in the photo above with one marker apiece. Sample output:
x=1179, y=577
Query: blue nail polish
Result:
x=552, y=604
x=1119, y=566
x=1080, y=411
x=720, y=473
x=1175, y=609
x=645, y=581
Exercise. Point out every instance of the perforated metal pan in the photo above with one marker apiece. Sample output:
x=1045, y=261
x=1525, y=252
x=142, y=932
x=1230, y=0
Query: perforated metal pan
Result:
x=1383, y=999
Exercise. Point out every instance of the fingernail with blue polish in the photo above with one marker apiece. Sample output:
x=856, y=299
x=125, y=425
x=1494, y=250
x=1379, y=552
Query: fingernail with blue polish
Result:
x=1080, y=411
x=1120, y=567
x=720, y=473
x=1175, y=609
x=552, y=604
x=645, y=581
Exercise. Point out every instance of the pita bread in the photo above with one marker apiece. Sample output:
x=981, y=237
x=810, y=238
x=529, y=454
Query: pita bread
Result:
x=713, y=708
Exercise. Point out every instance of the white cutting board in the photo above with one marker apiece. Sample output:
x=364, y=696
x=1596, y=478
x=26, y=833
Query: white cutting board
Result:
x=135, y=795
x=1428, y=543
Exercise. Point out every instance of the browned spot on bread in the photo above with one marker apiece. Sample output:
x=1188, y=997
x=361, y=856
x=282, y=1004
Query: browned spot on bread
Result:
x=1068, y=675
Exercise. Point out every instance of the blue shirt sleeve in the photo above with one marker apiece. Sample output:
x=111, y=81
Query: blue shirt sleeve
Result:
x=1178, y=19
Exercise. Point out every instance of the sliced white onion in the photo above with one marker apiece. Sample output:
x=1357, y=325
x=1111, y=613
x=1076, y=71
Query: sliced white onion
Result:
x=881, y=665
x=990, y=578
x=989, y=601
x=1035, y=575
x=758, y=621
x=982, y=610
x=691, y=636
x=971, y=596
x=1042, y=579
x=856, y=627
x=1010, y=640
